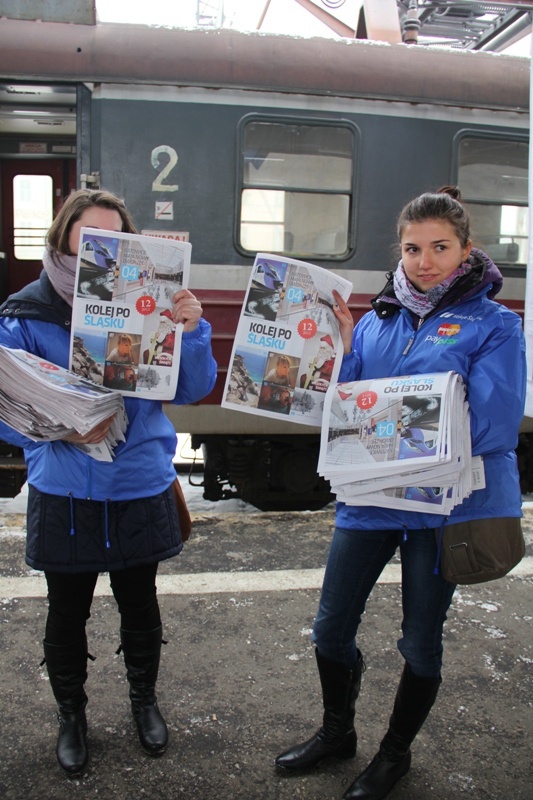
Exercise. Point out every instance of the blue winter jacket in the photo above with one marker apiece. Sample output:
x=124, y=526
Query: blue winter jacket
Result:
x=37, y=320
x=488, y=351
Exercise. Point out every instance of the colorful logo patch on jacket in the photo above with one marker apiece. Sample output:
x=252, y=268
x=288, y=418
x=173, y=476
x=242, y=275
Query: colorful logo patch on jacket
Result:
x=448, y=329
x=446, y=334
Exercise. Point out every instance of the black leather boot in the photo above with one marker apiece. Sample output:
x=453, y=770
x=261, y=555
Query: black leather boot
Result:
x=337, y=736
x=67, y=670
x=414, y=699
x=142, y=650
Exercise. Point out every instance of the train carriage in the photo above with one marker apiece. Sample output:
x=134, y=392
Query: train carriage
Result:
x=245, y=143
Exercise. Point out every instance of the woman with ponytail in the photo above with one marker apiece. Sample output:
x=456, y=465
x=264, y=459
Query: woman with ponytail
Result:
x=440, y=281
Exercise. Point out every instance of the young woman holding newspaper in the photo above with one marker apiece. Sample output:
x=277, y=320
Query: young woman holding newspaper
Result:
x=440, y=279
x=86, y=516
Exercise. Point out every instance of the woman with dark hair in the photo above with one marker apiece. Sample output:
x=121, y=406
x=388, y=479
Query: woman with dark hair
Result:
x=440, y=279
x=87, y=516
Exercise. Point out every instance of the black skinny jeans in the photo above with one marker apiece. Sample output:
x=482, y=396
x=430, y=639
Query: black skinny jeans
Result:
x=70, y=597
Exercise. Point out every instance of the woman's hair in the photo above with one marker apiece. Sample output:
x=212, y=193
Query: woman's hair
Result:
x=73, y=208
x=444, y=204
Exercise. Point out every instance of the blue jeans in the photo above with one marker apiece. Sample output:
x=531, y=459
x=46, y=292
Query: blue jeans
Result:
x=356, y=560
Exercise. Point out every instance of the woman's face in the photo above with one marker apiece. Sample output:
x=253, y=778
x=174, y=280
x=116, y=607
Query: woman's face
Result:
x=95, y=217
x=431, y=251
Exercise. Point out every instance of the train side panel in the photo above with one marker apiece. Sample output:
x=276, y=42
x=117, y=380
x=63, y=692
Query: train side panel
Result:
x=167, y=132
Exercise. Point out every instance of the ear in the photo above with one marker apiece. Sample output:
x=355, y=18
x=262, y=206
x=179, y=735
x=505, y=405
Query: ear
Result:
x=467, y=250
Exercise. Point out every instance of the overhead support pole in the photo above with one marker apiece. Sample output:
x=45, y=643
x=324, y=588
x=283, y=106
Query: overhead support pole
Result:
x=382, y=21
x=511, y=29
x=263, y=15
x=334, y=24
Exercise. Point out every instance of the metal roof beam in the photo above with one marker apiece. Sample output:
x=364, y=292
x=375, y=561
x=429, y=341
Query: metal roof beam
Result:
x=512, y=28
x=382, y=21
x=334, y=24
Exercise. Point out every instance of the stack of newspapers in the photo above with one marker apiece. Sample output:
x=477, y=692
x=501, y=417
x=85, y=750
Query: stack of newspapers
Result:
x=399, y=443
x=46, y=402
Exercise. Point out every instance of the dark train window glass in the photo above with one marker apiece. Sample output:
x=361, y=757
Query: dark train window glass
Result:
x=493, y=177
x=297, y=187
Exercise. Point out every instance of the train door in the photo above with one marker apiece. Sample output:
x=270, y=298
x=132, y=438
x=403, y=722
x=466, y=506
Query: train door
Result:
x=32, y=193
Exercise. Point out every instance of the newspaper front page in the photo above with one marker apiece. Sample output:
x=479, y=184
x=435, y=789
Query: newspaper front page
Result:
x=45, y=402
x=399, y=442
x=287, y=350
x=123, y=336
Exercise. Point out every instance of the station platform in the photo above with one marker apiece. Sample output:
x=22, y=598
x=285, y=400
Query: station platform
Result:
x=238, y=680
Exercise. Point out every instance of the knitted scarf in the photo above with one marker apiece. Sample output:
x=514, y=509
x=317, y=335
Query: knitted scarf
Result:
x=61, y=269
x=422, y=303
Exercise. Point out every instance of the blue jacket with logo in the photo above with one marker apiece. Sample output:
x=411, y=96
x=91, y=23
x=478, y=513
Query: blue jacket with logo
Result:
x=487, y=349
x=38, y=320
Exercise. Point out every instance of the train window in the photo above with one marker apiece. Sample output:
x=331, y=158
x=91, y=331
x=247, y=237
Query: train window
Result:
x=296, y=188
x=493, y=177
x=32, y=214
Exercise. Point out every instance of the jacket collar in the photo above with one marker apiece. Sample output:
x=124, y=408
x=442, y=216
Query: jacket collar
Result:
x=38, y=300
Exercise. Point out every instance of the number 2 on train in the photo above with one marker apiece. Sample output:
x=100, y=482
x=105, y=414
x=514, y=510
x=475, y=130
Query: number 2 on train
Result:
x=158, y=185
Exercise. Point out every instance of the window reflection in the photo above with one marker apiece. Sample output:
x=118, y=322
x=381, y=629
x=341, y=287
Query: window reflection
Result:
x=493, y=178
x=297, y=187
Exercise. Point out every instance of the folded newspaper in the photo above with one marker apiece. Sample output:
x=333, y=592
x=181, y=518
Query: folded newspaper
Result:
x=123, y=336
x=400, y=443
x=46, y=402
x=287, y=349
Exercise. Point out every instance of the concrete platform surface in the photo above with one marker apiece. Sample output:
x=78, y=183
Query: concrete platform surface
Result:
x=238, y=680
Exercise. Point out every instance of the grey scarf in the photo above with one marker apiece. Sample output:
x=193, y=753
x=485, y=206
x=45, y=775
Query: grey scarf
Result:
x=61, y=269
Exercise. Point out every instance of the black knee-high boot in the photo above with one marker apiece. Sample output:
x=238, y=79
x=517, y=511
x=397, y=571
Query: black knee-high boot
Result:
x=414, y=699
x=337, y=736
x=142, y=650
x=67, y=670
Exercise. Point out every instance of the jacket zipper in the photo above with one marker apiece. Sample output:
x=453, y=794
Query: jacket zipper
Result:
x=411, y=340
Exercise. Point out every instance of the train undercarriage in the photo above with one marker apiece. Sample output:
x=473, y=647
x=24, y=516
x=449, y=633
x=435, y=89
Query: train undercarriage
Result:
x=270, y=473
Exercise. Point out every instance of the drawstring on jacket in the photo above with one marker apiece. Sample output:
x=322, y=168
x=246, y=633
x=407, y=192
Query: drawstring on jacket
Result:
x=436, y=568
x=106, y=520
x=72, y=526
x=439, y=546
x=106, y=523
